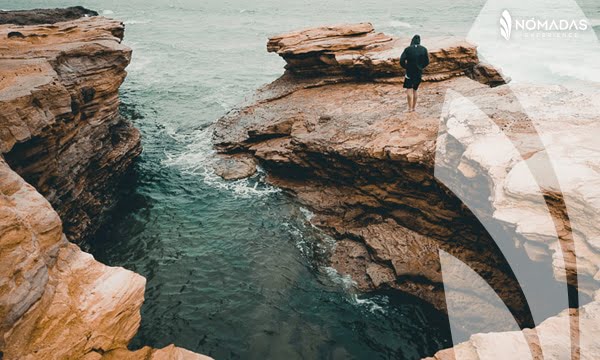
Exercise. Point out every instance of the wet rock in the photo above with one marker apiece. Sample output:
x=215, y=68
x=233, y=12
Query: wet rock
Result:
x=487, y=74
x=235, y=167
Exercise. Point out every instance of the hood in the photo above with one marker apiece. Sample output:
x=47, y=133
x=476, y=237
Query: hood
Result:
x=416, y=40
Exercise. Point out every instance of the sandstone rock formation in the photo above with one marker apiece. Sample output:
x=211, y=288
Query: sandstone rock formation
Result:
x=60, y=126
x=392, y=187
x=53, y=293
x=357, y=50
x=346, y=150
x=61, y=131
x=56, y=301
x=548, y=339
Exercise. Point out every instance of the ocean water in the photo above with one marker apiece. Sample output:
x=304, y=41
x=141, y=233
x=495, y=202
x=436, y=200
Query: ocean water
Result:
x=234, y=269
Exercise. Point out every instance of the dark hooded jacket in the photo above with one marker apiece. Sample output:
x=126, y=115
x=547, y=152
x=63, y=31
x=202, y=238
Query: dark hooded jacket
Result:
x=415, y=58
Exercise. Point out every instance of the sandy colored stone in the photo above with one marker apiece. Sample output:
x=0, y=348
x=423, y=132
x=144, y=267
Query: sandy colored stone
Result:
x=53, y=293
x=553, y=340
x=60, y=126
x=357, y=50
x=60, y=129
x=342, y=144
x=169, y=352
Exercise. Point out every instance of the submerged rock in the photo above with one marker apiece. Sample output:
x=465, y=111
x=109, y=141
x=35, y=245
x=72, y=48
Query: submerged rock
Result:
x=235, y=167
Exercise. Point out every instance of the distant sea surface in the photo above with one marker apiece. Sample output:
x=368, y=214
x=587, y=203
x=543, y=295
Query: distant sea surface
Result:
x=235, y=270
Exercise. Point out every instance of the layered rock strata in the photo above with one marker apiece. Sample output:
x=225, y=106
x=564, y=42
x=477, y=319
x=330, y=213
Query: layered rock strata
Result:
x=548, y=340
x=384, y=183
x=357, y=50
x=344, y=148
x=61, y=131
x=59, y=114
x=56, y=301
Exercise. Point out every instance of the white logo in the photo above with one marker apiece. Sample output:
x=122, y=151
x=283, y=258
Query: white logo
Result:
x=535, y=27
x=506, y=25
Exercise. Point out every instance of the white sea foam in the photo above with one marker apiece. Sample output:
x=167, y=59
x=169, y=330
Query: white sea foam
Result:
x=371, y=304
x=300, y=241
x=198, y=159
x=309, y=215
x=107, y=12
x=134, y=22
x=399, y=24
x=590, y=72
x=344, y=280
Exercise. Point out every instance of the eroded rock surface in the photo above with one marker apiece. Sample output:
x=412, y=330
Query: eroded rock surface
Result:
x=332, y=131
x=60, y=126
x=60, y=129
x=56, y=301
x=549, y=340
x=44, y=16
x=348, y=153
x=357, y=50
x=54, y=294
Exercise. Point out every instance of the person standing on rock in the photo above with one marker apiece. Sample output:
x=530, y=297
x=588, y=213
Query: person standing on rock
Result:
x=414, y=59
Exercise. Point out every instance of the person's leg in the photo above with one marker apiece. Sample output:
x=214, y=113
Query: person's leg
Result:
x=409, y=98
x=414, y=100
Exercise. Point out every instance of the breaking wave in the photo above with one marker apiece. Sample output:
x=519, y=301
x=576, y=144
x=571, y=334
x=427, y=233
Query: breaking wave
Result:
x=198, y=159
x=374, y=304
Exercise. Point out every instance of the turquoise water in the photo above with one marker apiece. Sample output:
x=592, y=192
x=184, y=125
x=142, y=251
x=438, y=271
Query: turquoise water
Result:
x=235, y=270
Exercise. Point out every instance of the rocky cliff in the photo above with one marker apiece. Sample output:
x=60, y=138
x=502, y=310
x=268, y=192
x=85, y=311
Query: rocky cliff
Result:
x=394, y=188
x=549, y=340
x=63, y=146
x=343, y=146
x=59, y=114
x=360, y=52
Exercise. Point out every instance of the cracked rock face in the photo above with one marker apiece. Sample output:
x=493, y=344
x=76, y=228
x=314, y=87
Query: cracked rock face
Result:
x=60, y=126
x=63, y=144
x=549, y=340
x=395, y=188
x=54, y=294
x=357, y=50
x=347, y=152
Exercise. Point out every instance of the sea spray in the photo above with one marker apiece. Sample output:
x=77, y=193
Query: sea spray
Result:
x=198, y=159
